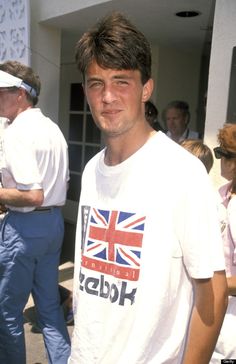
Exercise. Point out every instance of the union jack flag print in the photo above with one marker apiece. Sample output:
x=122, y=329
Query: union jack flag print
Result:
x=114, y=242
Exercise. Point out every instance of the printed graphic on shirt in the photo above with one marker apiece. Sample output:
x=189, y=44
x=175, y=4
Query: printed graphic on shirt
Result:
x=111, y=253
x=112, y=242
x=121, y=292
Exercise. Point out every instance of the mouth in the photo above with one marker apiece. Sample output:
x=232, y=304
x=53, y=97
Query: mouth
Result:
x=110, y=112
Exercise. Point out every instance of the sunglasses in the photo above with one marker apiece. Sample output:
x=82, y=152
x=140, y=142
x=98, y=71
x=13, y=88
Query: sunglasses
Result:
x=219, y=153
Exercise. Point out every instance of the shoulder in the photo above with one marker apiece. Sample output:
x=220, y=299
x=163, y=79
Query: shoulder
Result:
x=193, y=134
x=178, y=166
x=94, y=161
x=175, y=153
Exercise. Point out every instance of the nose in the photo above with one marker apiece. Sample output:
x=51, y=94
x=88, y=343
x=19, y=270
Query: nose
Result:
x=109, y=94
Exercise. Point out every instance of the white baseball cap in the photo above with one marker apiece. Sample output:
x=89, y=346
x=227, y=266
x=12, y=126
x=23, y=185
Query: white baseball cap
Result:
x=7, y=80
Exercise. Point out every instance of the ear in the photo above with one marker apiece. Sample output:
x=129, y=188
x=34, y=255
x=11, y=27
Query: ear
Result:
x=22, y=95
x=147, y=90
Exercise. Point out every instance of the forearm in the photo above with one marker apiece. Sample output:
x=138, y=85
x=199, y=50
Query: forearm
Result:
x=201, y=340
x=206, y=320
x=231, y=282
x=21, y=198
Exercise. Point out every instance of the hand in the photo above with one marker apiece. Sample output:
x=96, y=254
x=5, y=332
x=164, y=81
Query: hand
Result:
x=3, y=209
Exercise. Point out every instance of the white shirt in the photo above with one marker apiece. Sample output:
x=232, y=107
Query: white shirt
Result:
x=36, y=157
x=188, y=134
x=145, y=227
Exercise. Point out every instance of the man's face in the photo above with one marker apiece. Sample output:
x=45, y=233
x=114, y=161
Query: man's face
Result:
x=116, y=98
x=176, y=122
x=8, y=103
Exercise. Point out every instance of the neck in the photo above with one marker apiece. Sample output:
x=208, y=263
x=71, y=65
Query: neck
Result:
x=121, y=148
x=177, y=137
x=19, y=111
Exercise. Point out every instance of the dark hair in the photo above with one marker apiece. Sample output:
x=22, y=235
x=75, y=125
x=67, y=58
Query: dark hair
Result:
x=151, y=112
x=180, y=105
x=115, y=43
x=200, y=150
x=26, y=74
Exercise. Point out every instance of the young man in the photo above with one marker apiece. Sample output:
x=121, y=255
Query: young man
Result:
x=149, y=277
x=34, y=180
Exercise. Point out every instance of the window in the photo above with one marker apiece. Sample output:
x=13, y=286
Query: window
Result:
x=84, y=138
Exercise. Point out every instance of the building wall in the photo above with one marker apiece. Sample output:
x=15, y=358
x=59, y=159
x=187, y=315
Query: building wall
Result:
x=45, y=44
x=14, y=31
x=57, y=8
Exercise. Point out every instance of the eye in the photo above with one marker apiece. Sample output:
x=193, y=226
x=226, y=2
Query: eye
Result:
x=122, y=82
x=94, y=84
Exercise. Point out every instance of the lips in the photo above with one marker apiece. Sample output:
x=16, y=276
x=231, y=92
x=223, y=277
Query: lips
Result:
x=110, y=112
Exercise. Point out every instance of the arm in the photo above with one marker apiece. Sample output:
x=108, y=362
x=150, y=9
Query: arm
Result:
x=21, y=198
x=231, y=281
x=210, y=303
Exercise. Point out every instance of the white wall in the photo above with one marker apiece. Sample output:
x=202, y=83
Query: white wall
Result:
x=54, y=8
x=223, y=40
x=14, y=31
x=45, y=60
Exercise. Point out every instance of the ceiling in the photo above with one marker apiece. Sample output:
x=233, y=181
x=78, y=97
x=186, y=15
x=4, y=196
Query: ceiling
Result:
x=155, y=18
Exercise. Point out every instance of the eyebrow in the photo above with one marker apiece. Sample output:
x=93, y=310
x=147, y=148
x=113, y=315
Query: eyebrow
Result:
x=122, y=75
x=115, y=77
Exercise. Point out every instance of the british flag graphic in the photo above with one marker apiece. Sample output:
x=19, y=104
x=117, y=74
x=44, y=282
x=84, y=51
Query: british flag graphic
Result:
x=114, y=242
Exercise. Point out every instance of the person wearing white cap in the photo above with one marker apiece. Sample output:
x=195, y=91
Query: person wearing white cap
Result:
x=34, y=179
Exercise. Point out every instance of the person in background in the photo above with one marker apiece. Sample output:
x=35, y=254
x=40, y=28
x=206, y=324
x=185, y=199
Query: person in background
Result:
x=34, y=179
x=226, y=152
x=177, y=117
x=200, y=150
x=147, y=239
x=151, y=114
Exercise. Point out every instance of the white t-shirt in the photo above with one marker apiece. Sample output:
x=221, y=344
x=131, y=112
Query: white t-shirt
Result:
x=36, y=157
x=145, y=227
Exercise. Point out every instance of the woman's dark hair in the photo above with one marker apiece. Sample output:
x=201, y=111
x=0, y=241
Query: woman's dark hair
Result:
x=115, y=43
